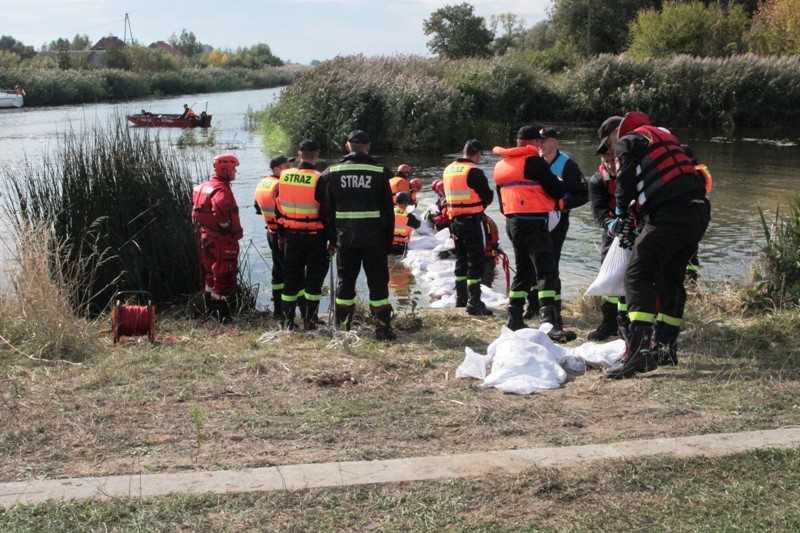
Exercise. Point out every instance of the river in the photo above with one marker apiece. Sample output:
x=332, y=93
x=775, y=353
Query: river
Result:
x=750, y=169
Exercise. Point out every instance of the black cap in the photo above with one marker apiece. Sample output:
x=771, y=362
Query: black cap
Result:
x=307, y=145
x=606, y=128
x=358, y=137
x=549, y=133
x=473, y=146
x=278, y=161
x=528, y=133
x=402, y=198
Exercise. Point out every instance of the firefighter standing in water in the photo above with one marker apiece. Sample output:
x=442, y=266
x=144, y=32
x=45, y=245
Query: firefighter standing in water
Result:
x=216, y=213
x=657, y=175
x=265, y=205
x=404, y=223
x=468, y=194
x=300, y=212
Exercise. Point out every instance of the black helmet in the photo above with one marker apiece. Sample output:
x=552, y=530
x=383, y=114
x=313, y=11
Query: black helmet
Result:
x=402, y=198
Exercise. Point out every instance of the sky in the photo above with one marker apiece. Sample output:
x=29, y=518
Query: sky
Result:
x=299, y=31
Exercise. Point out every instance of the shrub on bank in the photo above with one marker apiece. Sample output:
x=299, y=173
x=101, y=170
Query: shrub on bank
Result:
x=777, y=273
x=119, y=205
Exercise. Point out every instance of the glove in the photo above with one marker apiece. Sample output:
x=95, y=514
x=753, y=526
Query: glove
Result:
x=627, y=239
x=618, y=226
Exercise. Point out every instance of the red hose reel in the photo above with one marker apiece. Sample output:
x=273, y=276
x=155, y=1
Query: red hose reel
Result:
x=133, y=320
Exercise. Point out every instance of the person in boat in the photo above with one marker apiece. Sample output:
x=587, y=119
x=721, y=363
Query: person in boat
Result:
x=300, y=211
x=404, y=222
x=216, y=213
x=656, y=178
x=467, y=191
x=265, y=206
x=188, y=112
x=19, y=90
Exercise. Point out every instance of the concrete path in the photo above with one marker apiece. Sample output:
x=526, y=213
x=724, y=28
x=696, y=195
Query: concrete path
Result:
x=319, y=475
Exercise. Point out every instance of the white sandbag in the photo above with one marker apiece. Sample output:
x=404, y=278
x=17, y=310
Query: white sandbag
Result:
x=422, y=242
x=447, y=301
x=474, y=365
x=600, y=355
x=553, y=218
x=610, y=280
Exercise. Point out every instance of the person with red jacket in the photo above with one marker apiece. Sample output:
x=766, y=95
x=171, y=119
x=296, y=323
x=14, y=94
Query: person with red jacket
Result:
x=468, y=194
x=529, y=191
x=216, y=213
x=300, y=213
x=658, y=178
x=265, y=206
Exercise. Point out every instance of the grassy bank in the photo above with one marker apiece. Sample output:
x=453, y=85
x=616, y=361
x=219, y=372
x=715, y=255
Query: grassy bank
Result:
x=51, y=87
x=416, y=104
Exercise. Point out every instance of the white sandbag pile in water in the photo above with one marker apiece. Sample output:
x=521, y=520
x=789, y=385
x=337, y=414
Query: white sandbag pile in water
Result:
x=437, y=274
x=526, y=360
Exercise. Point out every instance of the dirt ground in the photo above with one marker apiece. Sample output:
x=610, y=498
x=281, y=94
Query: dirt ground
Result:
x=208, y=397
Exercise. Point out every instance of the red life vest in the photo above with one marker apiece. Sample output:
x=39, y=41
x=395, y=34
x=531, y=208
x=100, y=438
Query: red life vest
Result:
x=491, y=236
x=265, y=198
x=296, y=200
x=664, y=161
x=517, y=194
x=214, y=208
x=461, y=198
x=402, y=231
x=610, y=185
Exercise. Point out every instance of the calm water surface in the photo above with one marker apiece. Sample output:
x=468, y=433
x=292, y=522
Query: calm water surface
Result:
x=750, y=169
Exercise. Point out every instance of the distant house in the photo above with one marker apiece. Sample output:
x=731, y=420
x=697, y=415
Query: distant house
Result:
x=108, y=42
x=167, y=48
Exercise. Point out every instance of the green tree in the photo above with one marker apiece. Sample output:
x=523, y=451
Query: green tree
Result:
x=457, y=32
x=776, y=28
x=187, y=44
x=255, y=57
x=595, y=27
x=13, y=46
x=690, y=28
x=511, y=34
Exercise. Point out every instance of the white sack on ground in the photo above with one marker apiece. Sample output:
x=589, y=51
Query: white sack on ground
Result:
x=610, y=280
x=527, y=360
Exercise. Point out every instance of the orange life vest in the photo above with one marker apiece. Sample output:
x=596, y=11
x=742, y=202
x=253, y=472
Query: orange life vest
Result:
x=402, y=231
x=461, y=198
x=702, y=169
x=518, y=194
x=296, y=200
x=265, y=198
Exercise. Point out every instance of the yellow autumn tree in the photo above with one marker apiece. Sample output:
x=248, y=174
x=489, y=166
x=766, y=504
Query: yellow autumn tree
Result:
x=776, y=28
x=218, y=59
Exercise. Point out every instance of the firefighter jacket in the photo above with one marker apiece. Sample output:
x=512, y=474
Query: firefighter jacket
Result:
x=360, y=207
x=214, y=209
x=602, y=189
x=654, y=170
x=525, y=183
x=265, y=201
x=298, y=199
x=466, y=188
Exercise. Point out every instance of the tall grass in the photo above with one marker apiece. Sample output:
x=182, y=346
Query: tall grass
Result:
x=776, y=275
x=121, y=198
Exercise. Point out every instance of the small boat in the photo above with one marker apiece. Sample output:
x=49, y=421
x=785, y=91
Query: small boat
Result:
x=203, y=120
x=10, y=100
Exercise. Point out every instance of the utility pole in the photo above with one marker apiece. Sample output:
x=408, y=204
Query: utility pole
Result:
x=127, y=30
x=589, y=30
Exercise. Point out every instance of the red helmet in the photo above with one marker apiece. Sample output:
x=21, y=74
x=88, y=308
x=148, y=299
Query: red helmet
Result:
x=438, y=186
x=416, y=184
x=403, y=168
x=633, y=120
x=224, y=164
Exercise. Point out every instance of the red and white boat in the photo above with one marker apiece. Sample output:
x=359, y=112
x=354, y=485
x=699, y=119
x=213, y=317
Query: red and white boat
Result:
x=203, y=120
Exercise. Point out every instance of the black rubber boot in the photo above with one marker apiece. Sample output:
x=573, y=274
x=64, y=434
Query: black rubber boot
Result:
x=287, y=314
x=343, y=316
x=383, y=328
x=221, y=310
x=461, y=293
x=474, y=304
x=624, y=325
x=310, y=319
x=276, y=302
x=608, y=327
x=515, y=317
x=548, y=314
x=638, y=358
x=568, y=335
x=666, y=343
x=533, y=305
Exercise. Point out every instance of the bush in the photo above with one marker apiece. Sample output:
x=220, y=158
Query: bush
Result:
x=777, y=273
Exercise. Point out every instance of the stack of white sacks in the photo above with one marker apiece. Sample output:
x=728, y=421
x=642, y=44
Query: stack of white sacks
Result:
x=437, y=274
x=526, y=360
